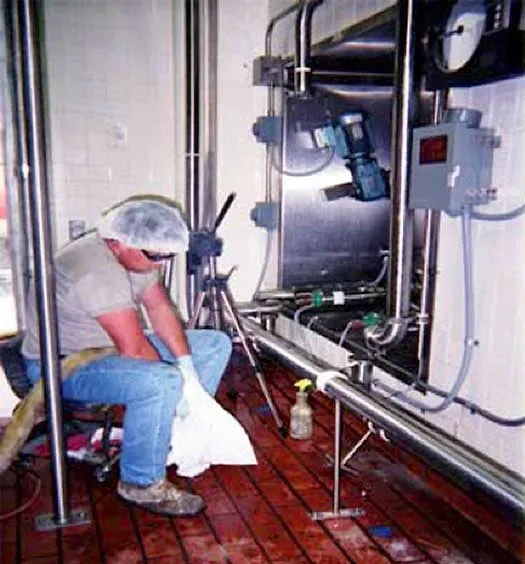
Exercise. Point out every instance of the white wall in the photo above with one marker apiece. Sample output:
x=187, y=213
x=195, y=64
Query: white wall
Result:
x=240, y=159
x=111, y=104
x=496, y=376
x=116, y=67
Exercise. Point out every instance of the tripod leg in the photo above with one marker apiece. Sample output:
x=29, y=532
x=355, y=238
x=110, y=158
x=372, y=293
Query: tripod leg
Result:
x=192, y=323
x=215, y=309
x=252, y=357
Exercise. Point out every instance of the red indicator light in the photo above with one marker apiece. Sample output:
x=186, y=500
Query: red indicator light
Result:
x=433, y=149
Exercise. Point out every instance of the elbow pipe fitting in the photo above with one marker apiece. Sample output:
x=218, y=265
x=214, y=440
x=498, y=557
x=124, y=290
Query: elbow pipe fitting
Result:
x=385, y=335
x=303, y=36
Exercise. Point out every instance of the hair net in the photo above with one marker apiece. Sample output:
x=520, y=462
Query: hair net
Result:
x=146, y=222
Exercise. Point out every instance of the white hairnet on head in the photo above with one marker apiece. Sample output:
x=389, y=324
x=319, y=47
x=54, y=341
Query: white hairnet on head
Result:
x=146, y=222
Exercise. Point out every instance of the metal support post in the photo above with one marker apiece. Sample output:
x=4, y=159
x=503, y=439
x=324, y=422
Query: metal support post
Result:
x=337, y=512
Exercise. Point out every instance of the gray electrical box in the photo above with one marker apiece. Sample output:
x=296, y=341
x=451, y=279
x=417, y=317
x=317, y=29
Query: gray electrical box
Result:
x=451, y=167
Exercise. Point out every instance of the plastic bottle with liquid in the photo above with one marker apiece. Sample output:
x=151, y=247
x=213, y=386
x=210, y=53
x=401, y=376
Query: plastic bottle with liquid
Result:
x=301, y=413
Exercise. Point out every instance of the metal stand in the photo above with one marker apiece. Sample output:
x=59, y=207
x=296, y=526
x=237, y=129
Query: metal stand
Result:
x=337, y=512
x=204, y=245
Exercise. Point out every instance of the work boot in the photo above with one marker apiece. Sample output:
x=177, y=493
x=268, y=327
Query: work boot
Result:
x=162, y=497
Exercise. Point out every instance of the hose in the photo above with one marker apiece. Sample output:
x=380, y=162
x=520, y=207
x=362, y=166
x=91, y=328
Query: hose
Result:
x=382, y=272
x=315, y=170
x=474, y=408
x=470, y=342
x=345, y=331
x=499, y=216
x=296, y=317
x=266, y=260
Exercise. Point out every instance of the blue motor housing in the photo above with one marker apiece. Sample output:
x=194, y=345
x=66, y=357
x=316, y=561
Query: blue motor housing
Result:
x=350, y=137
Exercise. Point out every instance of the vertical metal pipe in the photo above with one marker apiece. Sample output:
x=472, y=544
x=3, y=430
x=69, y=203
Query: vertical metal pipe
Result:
x=401, y=217
x=201, y=120
x=17, y=178
x=44, y=275
x=303, y=38
x=338, y=434
x=430, y=249
x=192, y=23
x=401, y=222
x=208, y=111
x=192, y=27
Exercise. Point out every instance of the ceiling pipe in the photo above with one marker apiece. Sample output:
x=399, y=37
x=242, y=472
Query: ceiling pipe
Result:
x=303, y=40
x=401, y=217
x=438, y=449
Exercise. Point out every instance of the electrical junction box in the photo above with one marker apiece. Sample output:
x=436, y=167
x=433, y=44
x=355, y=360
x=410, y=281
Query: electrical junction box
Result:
x=451, y=167
x=267, y=71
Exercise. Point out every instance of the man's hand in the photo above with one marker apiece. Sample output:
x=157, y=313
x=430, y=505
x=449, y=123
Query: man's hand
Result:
x=188, y=373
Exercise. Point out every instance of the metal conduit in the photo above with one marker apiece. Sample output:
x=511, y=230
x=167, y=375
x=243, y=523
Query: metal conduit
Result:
x=208, y=111
x=271, y=96
x=303, y=38
x=430, y=250
x=437, y=448
x=201, y=120
x=43, y=271
x=193, y=197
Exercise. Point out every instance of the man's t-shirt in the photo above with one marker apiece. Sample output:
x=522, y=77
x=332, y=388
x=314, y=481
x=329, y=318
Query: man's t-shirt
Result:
x=89, y=282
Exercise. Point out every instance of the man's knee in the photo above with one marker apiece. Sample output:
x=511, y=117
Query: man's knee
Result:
x=223, y=344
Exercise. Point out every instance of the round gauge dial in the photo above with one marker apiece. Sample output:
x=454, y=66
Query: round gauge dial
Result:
x=462, y=34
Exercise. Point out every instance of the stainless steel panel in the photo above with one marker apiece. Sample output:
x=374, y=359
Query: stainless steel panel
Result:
x=339, y=241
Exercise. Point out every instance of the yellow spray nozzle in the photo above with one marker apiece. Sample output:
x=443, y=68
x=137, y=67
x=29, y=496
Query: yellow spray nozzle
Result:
x=304, y=384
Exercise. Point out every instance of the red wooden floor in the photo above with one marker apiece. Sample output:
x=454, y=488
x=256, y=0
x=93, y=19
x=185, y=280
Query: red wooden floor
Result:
x=263, y=513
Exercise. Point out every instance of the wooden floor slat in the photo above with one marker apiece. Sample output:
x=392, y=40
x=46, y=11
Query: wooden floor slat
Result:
x=262, y=514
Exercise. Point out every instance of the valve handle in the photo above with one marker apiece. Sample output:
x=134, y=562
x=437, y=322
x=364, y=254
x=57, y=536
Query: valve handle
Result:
x=225, y=207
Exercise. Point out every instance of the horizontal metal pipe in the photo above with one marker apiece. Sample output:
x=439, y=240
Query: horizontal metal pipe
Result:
x=326, y=296
x=436, y=447
x=254, y=308
x=271, y=25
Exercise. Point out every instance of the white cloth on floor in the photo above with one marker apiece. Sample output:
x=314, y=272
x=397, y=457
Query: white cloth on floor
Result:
x=206, y=433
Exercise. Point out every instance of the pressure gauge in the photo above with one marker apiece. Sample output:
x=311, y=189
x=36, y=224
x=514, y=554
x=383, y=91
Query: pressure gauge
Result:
x=472, y=42
x=462, y=33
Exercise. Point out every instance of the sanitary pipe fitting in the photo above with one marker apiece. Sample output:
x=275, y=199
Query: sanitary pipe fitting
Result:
x=362, y=372
x=386, y=334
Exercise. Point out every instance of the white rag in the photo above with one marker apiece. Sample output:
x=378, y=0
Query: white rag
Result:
x=203, y=433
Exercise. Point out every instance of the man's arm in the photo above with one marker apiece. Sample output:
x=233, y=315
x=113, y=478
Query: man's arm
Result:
x=165, y=320
x=124, y=328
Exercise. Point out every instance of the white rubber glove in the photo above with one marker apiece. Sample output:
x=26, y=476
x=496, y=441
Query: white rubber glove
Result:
x=187, y=371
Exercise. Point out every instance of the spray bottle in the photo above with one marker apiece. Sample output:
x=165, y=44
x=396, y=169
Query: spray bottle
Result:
x=301, y=412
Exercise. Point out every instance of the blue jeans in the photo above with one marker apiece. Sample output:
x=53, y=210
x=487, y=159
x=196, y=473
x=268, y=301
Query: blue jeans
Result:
x=150, y=391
